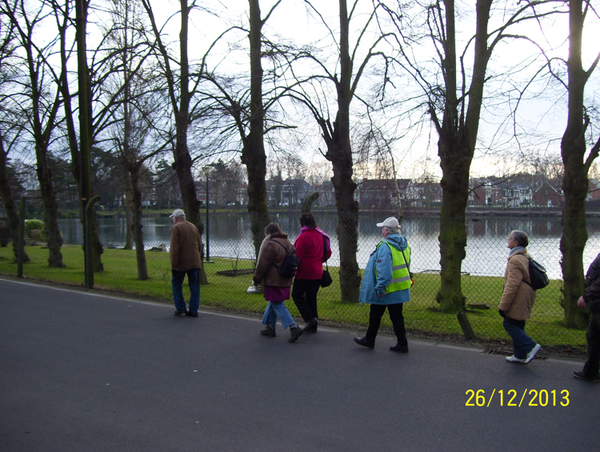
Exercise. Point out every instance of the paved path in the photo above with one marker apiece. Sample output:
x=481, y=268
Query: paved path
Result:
x=86, y=372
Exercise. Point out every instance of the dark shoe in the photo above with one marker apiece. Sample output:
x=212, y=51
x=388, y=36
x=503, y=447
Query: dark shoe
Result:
x=191, y=314
x=364, y=342
x=311, y=326
x=181, y=312
x=295, y=333
x=269, y=331
x=399, y=348
x=579, y=374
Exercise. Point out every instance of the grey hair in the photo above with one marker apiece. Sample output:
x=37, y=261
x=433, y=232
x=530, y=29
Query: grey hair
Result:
x=520, y=237
x=393, y=230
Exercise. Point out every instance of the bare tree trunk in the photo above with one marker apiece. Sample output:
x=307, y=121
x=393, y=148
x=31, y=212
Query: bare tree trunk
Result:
x=575, y=182
x=253, y=151
x=81, y=158
x=339, y=153
x=457, y=138
x=10, y=206
x=129, y=207
x=137, y=224
x=453, y=236
x=53, y=235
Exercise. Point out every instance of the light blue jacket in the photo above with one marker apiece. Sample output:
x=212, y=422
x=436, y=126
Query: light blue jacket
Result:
x=381, y=260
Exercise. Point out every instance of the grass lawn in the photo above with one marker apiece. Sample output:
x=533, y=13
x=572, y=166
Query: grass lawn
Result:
x=229, y=293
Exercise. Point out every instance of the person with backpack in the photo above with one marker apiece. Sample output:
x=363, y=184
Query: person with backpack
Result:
x=591, y=299
x=313, y=248
x=276, y=287
x=517, y=299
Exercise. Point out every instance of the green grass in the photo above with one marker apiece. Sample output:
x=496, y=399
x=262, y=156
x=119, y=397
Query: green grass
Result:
x=229, y=293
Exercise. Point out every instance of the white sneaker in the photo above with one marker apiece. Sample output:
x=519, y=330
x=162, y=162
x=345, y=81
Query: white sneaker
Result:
x=532, y=353
x=514, y=359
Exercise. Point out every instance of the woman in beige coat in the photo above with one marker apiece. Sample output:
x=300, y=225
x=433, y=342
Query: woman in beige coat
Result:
x=517, y=299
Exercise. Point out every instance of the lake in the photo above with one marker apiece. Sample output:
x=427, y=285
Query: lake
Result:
x=486, y=239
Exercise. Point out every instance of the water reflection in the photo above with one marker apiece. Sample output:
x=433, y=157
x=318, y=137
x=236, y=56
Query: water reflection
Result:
x=486, y=238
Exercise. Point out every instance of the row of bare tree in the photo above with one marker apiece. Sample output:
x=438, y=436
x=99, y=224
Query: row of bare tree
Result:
x=375, y=67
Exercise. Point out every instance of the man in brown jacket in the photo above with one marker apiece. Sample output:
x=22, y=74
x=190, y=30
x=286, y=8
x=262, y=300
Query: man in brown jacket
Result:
x=185, y=252
x=517, y=299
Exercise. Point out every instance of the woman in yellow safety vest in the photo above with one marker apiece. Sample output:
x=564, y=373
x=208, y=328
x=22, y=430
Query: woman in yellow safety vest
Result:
x=387, y=283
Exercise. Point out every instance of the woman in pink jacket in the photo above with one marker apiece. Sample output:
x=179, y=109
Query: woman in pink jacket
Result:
x=312, y=248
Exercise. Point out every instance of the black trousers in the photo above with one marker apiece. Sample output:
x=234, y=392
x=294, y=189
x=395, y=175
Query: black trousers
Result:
x=304, y=294
x=396, y=317
x=591, y=369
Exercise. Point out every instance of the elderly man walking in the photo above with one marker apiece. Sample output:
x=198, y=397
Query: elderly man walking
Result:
x=185, y=252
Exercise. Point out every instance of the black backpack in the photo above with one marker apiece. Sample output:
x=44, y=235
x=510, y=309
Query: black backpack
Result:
x=290, y=263
x=537, y=275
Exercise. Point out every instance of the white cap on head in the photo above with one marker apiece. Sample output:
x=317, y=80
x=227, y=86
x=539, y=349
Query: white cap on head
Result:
x=389, y=222
x=178, y=213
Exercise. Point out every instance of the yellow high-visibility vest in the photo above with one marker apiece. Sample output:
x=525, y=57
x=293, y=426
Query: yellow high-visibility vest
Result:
x=400, y=274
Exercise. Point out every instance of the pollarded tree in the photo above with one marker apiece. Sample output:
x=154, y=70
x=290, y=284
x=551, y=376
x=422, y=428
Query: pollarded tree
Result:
x=577, y=159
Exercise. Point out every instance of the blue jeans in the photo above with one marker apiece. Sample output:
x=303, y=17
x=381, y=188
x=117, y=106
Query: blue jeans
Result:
x=277, y=310
x=194, y=283
x=522, y=343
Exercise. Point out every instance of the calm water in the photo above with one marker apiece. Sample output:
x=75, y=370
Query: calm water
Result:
x=486, y=248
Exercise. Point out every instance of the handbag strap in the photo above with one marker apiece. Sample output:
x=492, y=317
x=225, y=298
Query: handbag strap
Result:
x=405, y=261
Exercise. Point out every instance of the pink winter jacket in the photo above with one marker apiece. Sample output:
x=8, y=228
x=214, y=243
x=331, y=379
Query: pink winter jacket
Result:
x=309, y=249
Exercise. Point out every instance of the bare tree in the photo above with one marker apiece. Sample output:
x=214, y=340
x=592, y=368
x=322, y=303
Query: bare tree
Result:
x=351, y=62
x=455, y=107
x=9, y=126
x=574, y=148
x=42, y=105
x=137, y=113
x=180, y=97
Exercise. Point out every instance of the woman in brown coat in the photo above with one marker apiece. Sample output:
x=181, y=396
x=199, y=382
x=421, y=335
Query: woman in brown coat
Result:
x=276, y=288
x=518, y=298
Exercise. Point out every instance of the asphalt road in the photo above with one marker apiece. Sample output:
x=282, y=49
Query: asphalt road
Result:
x=87, y=372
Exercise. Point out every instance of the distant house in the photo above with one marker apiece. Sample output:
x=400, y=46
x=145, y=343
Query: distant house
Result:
x=289, y=192
x=381, y=194
x=547, y=196
x=423, y=195
x=594, y=190
x=486, y=192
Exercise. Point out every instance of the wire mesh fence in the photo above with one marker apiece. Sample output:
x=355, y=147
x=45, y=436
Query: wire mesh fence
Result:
x=231, y=257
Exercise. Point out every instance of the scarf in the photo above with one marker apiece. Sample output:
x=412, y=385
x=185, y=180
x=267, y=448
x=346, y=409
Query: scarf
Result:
x=516, y=249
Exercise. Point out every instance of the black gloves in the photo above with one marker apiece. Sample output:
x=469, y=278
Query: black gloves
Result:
x=502, y=313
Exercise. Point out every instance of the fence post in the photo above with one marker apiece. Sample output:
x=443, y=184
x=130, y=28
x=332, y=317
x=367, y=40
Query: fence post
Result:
x=89, y=259
x=21, y=239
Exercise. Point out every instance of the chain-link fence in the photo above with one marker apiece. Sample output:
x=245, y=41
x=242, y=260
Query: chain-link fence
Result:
x=230, y=254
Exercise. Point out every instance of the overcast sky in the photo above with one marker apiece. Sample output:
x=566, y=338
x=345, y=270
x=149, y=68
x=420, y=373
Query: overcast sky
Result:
x=541, y=119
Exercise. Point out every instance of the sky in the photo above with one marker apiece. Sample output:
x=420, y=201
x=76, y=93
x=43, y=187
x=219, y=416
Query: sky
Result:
x=541, y=117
